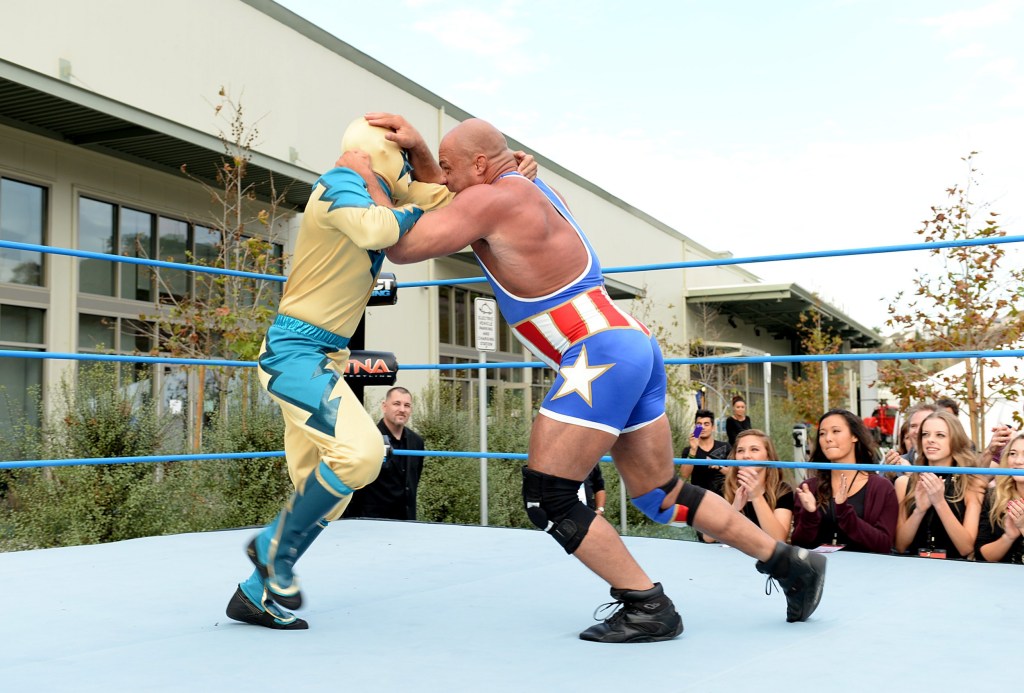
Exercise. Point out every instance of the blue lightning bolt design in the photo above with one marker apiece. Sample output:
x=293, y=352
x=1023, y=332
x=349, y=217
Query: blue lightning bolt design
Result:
x=343, y=187
x=307, y=388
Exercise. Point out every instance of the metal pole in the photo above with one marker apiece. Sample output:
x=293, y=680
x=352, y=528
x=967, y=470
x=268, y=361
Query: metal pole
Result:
x=824, y=385
x=483, y=440
x=768, y=396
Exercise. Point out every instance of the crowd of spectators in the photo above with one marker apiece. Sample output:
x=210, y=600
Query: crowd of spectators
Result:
x=970, y=515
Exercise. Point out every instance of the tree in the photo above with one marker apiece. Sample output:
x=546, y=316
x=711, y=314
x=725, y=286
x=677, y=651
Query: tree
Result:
x=724, y=379
x=226, y=316
x=972, y=304
x=806, y=389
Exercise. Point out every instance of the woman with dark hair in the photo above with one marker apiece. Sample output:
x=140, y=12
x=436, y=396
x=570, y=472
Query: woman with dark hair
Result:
x=939, y=515
x=738, y=420
x=850, y=509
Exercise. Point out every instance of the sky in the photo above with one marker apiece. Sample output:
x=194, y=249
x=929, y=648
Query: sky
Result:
x=752, y=127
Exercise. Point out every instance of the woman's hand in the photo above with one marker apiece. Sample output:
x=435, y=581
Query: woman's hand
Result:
x=741, y=499
x=843, y=492
x=751, y=479
x=1014, y=524
x=922, y=500
x=806, y=498
x=934, y=487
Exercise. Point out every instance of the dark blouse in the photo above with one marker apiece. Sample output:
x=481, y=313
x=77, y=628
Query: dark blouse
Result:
x=988, y=534
x=865, y=522
x=931, y=534
x=733, y=428
x=785, y=501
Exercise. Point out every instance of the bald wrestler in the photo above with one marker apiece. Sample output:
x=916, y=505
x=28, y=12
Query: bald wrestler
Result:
x=609, y=394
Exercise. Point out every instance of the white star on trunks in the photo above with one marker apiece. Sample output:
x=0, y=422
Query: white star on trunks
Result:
x=579, y=377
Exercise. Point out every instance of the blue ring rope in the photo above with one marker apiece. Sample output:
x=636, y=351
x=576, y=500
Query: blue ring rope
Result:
x=535, y=364
x=734, y=360
x=901, y=469
x=124, y=259
x=690, y=264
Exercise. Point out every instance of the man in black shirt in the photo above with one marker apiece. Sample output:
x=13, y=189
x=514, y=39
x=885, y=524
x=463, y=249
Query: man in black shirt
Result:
x=704, y=446
x=393, y=495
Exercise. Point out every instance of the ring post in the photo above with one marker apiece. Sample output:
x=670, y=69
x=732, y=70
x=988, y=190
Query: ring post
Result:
x=485, y=322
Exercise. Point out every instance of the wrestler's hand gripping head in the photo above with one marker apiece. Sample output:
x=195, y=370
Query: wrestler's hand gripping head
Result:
x=388, y=160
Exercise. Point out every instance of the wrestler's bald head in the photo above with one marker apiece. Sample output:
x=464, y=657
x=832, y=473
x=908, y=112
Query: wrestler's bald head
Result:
x=471, y=150
x=476, y=136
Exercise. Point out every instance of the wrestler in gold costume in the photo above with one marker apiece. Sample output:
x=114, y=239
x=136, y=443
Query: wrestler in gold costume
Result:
x=332, y=446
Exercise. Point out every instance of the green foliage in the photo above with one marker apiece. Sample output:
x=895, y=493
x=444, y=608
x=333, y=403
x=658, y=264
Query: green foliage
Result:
x=806, y=390
x=250, y=491
x=973, y=303
x=87, y=504
x=450, y=487
x=60, y=506
x=227, y=316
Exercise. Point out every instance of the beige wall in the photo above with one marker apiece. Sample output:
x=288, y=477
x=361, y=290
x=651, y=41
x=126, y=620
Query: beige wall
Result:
x=171, y=59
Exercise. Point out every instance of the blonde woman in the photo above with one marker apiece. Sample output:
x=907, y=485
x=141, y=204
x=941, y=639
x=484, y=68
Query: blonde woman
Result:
x=939, y=515
x=1001, y=530
x=759, y=492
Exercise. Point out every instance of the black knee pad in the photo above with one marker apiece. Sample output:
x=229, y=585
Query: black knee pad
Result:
x=553, y=504
x=690, y=495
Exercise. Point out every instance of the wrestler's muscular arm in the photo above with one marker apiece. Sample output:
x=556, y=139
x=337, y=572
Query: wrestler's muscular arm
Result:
x=474, y=215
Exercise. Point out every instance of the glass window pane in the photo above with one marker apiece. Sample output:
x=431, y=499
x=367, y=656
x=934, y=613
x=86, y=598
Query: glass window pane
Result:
x=21, y=325
x=135, y=336
x=277, y=267
x=22, y=220
x=172, y=244
x=96, y=332
x=205, y=251
x=19, y=379
x=96, y=234
x=444, y=310
x=206, y=246
x=136, y=233
x=461, y=317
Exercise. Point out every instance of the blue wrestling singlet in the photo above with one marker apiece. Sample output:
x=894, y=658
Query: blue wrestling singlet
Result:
x=611, y=375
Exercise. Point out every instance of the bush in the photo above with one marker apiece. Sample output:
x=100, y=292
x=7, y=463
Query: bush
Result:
x=97, y=417
x=450, y=487
x=249, y=491
x=88, y=504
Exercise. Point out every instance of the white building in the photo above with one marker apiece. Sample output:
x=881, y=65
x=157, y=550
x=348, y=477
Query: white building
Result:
x=101, y=104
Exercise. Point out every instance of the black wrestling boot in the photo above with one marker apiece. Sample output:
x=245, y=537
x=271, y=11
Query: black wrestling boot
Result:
x=643, y=616
x=801, y=574
x=266, y=614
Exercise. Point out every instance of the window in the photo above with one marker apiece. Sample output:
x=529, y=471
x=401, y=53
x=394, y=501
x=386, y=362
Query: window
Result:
x=173, y=246
x=109, y=228
x=22, y=330
x=96, y=234
x=22, y=220
x=456, y=330
x=105, y=334
x=136, y=234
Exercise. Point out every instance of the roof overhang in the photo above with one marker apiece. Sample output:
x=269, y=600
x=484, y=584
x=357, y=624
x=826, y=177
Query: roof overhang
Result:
x=49, y=107
x=777, y=308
